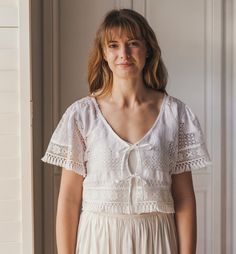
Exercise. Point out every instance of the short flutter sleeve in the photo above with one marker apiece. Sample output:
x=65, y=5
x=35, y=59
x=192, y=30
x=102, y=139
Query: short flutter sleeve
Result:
x=192, y=151
x=67, y=147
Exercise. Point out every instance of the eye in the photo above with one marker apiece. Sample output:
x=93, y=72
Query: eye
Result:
x=133, y=44
x=112, y=45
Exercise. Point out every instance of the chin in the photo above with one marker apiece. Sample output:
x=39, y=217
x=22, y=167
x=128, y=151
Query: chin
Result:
x=128, y=74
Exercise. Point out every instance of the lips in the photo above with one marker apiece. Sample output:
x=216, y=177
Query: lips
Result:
x=125, y=64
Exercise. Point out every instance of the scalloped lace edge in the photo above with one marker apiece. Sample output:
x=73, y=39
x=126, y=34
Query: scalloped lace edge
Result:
x=188, y=165
x=77, y=167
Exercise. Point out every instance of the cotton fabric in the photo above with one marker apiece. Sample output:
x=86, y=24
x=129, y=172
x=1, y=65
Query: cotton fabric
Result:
x=152, y=233
x=85, y=143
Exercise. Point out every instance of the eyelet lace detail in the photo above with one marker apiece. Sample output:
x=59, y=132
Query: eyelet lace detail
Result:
x=192, y=158
x=61, y=156
x=192, y=152
x=115, y=200
x=123, y=208
x=82, y=143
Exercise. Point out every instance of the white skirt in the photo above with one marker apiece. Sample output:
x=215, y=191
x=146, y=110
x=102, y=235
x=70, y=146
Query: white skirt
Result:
x=147, y=233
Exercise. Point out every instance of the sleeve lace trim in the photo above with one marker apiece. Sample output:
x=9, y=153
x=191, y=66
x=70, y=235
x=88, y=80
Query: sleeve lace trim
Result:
x=60, y=156
x=192, y=158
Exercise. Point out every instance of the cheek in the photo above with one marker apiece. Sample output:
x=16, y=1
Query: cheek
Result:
x=141, y=56
x=110, y=56
x=140, y=53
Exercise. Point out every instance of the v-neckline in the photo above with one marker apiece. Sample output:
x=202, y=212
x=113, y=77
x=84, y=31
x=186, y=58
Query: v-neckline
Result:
x=107, y=124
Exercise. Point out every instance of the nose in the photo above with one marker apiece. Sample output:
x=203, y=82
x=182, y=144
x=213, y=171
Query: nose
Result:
x=124, y=52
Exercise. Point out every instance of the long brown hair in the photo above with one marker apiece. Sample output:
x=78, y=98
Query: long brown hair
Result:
x=100, y=76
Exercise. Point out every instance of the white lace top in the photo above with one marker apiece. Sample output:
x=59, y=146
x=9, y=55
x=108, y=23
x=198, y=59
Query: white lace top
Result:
x=121, y=177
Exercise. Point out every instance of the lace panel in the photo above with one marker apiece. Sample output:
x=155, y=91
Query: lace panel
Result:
x=124, y=208
x=61, y=156
x=192, y=151
x=192, y=158
x=67, y=145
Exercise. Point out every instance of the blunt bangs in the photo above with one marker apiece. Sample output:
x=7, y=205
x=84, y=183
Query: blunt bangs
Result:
x=124, y=26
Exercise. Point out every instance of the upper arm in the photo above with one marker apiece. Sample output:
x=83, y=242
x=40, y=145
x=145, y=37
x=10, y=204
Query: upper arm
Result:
x=71, y=186
x=182, y=187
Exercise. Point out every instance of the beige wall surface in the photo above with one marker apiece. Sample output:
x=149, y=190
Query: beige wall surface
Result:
x=10, y=182
x=15, y=205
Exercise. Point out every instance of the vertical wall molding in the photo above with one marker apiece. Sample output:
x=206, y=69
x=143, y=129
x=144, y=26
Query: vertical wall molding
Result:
x=227, y=132
x=216, y=121
x=212, y=116
x=233, y=123
x=51, y=109
x=25, y=106
x=45, y=91
x=229, y=123
x=37, y=95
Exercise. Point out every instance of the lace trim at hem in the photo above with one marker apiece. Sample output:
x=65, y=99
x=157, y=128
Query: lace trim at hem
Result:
x=124, y=208
x=56, y=160
x=189, y=165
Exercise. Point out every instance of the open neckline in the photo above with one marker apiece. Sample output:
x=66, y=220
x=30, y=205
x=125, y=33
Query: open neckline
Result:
x=107, y=124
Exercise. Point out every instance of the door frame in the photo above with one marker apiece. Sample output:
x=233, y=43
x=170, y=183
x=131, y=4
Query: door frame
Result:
x=45, y=83
x=229, y=91
x=25, y=131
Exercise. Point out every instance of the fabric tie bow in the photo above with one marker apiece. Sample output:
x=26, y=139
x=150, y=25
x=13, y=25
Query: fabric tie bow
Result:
x=125, y=165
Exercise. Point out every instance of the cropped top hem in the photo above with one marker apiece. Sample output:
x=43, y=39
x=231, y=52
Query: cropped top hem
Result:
x=125, y=208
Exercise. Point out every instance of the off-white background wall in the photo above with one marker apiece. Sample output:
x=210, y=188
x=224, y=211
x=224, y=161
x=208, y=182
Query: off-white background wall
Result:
x=15, y=131
x=10, y=176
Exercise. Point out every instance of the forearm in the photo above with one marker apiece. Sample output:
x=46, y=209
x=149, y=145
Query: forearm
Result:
x=186, y=225
x=66, y=225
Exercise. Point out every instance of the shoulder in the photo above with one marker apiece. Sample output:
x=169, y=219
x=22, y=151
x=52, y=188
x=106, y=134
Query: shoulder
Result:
x=83, y=112
x=179, y=108
x=81, y=108
x=176, y=102
x=179, y=104
x=80, y=104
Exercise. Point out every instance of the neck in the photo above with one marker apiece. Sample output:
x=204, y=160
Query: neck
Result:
x=128, y=93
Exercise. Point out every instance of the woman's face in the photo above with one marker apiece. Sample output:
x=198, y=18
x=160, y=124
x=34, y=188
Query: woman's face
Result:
x=126, y=57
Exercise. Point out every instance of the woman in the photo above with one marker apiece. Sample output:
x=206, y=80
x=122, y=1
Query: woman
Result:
x=127, y=151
